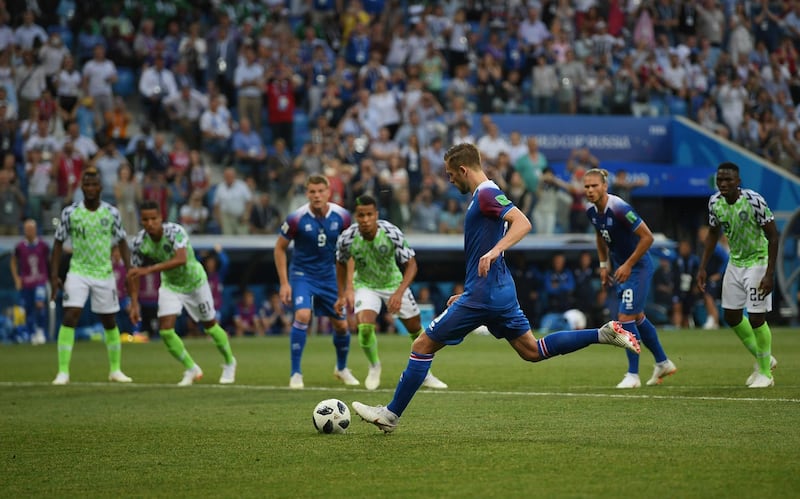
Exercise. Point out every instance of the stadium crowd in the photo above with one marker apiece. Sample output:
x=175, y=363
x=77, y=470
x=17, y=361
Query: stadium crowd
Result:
x=220, y=110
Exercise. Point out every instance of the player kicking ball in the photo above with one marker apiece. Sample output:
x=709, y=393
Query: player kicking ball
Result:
x=164, y=247
x=378, y=249
x=492, y=225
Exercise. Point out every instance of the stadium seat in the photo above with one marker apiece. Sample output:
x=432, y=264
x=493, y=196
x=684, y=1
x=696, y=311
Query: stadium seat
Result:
x=126, y=82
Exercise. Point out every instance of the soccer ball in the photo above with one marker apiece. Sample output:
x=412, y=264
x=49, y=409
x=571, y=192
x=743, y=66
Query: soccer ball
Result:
x=331, y=416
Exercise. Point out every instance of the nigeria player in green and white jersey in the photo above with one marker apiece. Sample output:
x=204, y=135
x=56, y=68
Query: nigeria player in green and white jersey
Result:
x=93, y=226
x=743, y=215
x=164, y=247
x=377, y=248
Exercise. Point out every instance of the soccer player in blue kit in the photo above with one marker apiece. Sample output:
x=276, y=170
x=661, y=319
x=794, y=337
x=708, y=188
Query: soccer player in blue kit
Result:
x=492, y=225
x=623, y=234
x=311, y=278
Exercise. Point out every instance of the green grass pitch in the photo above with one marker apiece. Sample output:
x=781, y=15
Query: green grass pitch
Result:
x=505, y=428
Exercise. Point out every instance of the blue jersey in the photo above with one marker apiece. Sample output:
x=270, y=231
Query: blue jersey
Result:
x=617, y=226
x=315, y=240
x=483, y=227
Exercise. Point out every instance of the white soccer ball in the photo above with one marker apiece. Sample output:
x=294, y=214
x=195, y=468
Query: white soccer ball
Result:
x=331, y=416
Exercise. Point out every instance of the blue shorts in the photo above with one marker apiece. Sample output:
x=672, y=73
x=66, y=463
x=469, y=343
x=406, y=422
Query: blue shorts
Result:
x=319, y=295
x=457, y=321
x=632, y=294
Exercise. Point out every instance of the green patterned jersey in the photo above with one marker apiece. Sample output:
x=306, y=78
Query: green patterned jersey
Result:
x=377, y=260
x=93, y=234
x=181, y=279
x=743, y=223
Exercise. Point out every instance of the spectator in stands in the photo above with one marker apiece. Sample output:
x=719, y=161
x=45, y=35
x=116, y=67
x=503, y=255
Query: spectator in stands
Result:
x=622, y=186
x=156, y=85
x=221, y=60
x=193, y=49
x=99, y=74
x=587, y=282
x=128, y=194
x=194, y=214
x=249, y=82
x=29, y=35
x=232, y=204
x=550, y=194
x=492, y=143
x=51, y=56
x=13, y=202
x=249, y=152
x=425, y=213
x=246, y=317
x=43, y=141
x=29, y=81
x=216, y=129
x=108, y=161
x=67, y=82
x=69, y=165
x=118, y=121
x=184, y=110
x=264, y=217
x=529, y=163
x=41, y=183
x=572, y=74
x=280, y=96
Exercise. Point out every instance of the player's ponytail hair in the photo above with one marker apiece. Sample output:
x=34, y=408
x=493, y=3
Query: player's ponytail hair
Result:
x=601, y=172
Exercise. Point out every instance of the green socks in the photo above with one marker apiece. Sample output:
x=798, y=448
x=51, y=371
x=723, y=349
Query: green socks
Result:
x=763, y=338
x=114, y=347
x=175, y=347
x=415, y=335
x=369, y=343
x=66, y=340
x=220, y=338
x=745, y=333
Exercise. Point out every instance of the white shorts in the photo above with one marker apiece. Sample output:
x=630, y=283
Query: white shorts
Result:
x=199, y=303
x=368, y=299
x=103, y=291
x=740, y=289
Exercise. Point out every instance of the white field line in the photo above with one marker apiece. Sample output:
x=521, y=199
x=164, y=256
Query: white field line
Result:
x=205, y=386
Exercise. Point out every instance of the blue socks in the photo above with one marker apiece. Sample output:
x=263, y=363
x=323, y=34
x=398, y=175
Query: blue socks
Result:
x=297, y=340
x=633, y=358
x=564, y=342
x=646, y=333
x=650, y=339
x=342, y=344
x=418, y=366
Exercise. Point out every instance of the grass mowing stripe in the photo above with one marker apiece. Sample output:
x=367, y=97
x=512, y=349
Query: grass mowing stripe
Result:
x=423, y=391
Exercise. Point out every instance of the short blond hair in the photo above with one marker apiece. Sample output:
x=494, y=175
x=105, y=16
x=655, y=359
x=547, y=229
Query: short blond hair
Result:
x=318, y=179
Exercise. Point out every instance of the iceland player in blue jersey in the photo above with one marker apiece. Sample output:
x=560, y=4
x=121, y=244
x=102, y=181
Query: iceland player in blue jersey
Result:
x=311, y=278
x=492, y=225
x=623, y=234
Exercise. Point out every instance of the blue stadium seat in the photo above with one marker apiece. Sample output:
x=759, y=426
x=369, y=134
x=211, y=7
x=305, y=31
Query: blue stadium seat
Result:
x=126, y=82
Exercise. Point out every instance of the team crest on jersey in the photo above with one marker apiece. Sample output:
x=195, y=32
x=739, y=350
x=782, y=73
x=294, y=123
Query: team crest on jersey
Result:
x=307, y=227
x=383, y=249
x=502, y=200
x=609, y=222
x=743, y=216
x=104, y=222
x=334, y=225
